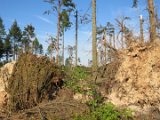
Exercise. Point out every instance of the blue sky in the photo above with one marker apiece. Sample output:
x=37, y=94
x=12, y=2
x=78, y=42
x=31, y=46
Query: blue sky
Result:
x=31, y=12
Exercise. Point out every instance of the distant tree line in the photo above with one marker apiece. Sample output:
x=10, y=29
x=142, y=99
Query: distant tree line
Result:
x=17, y=41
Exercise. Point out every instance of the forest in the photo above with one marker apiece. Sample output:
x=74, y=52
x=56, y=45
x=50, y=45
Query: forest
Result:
x=49, y=80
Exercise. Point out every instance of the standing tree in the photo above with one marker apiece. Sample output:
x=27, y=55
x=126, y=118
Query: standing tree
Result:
x=2, y=30
x=151, y=18
x=65, y=25
x=58, y=6
x=110, y=33
x=141, y=28
x=101, y=36
x=7, y=47
x=70, y=50
x=121, y=25
x=1, y=49
x=35, y=46
x=2, y=37
x=28, y=35
x=157, y=23
x=41, y=49
x=52, y=47
x=15, y=35
x=94, y=41
x=76, y=38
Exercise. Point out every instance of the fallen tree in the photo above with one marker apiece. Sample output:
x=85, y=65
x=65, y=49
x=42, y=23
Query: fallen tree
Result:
x=33, y=80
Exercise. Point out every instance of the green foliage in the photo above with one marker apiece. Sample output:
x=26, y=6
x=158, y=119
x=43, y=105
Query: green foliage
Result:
x=107, y=112
x=28, y=33
x=2, y=37
x=2, y=29
x=67, y=62
x=7, y=47
x=1, y=48
x=16, y=37
x=74, y=76
x=40, y=49
x=15, y=32
x=65, y=21
x=98, y=99
x=79, y=73
x=35, y=46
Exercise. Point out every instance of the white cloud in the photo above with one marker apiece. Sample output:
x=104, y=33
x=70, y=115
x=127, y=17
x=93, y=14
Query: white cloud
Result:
x=45, y=20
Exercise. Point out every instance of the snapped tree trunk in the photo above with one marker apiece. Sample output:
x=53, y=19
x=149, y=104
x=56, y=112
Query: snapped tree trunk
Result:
x=141, y=29
x=152, y=20
x=94, y=41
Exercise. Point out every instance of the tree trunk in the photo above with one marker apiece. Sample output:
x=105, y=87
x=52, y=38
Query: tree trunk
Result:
x=105, y=48
x=94, y=41
x=141, y=29
x=58, y=31
x=114, y=42
x=76, y=38
x=122, y=40
x=63, y=48
x=157, y=22
x=14, y=50
x=152, y=20
x=7, y=56
x=110, y=50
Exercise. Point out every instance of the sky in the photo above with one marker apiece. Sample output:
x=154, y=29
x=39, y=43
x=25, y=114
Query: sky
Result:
x=31, y=12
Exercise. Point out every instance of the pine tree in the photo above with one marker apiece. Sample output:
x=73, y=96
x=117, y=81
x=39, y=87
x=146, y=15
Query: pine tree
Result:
x=35, y=46
x=1, y=49
x=7, y=47
x=121, y=25
x=65, y=25
x=151, y=18
x=28, y=35
x=41, y=49
x=94, y=41
x=59, y=6
x=2, y=37
x=2, y=30
x=15, y=35
x=52, y=47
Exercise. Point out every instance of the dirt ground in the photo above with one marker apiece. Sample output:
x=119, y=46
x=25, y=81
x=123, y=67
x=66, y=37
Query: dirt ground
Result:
x=64, y=107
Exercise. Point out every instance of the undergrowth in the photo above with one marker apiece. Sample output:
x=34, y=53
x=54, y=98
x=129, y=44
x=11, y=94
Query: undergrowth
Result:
x=76, y=80
x=107, y=112
x=74, y=76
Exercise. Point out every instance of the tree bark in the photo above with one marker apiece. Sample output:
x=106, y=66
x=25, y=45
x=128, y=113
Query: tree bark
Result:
x=14, y=50
x=94, y=41
x=141, y=29
x=58, y=31
x=114, y=42
x=105, y=48
x=76, y=38
x=122, y=40
x=63, y=48
x=152, y=20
